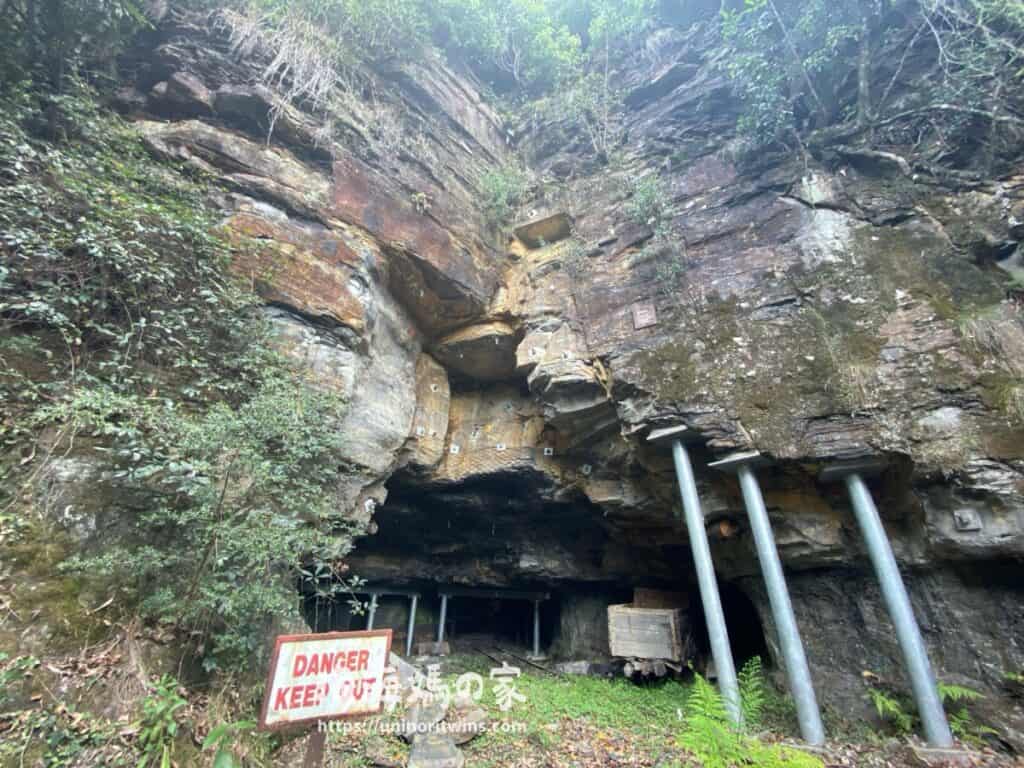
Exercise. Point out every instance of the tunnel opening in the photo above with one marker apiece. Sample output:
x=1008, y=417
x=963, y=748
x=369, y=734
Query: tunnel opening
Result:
x=472, y=622
x=481, y=623
x=508, y=532
x=742, y=622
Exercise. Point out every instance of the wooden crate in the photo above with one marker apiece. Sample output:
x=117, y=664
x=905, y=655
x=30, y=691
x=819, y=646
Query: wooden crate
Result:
x=645, y=633
x=659, y=598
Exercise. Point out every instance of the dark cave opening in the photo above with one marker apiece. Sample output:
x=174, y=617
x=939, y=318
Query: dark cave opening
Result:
x=746, y=634
x=472, y=623
x=480, y=624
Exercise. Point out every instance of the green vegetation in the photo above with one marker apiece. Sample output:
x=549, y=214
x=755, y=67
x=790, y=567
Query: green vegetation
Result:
x=158, y=725
x=503, y=187
x=122, y=333
x=221, y=738
x=48, y=40
x=12, y=673
x=649, y=204
x=561, y=711
x=898, y=710
x=791, y=61
x=753, y=698
x=711, y=737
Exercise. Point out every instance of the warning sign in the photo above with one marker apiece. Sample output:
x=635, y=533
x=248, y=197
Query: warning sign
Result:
x=325, y=676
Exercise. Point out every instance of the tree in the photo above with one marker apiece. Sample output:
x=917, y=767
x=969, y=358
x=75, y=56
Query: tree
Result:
x=45, y=39
x=792, y=63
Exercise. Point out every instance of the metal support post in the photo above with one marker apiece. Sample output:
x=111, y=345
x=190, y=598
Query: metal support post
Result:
x=536, y=629
x=372, y=611
x=412, y=625
x=444, y=616
x=915, y=656
x=706, y=580
x=792, y=647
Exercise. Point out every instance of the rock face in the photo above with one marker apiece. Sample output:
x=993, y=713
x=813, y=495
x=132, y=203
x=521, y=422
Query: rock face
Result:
x=830, y=306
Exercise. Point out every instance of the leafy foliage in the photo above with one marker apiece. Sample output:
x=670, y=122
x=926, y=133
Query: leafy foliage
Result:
x=122, y=328
x=711, y=737
x=221, y=737
x=158, y=724
x=524, y=38
x=792, y=64
x=59, y=736
x=897, y=710
x=752, y=693
x=47, y=40
x=503, y=188
x=955, y=699
x=892, y=710
x=648, y=201
x=13, y=672
x=780, y=53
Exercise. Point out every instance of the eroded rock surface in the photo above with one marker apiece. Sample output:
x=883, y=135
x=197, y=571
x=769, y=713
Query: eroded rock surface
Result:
x=838, y=304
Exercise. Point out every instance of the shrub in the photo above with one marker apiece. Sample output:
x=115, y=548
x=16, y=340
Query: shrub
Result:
x=121, y=325
x=158, y=724
x=503, y=188
x=648, y=201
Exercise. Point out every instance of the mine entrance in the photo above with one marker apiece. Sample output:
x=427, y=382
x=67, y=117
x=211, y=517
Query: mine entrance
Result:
x=467, y=619
x=746, y=635
x=476, y=618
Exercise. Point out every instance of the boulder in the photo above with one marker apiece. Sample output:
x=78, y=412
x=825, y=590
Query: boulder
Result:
x=435, y=751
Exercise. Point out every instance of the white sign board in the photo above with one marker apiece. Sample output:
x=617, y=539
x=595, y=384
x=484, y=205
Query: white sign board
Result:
x=325, y=676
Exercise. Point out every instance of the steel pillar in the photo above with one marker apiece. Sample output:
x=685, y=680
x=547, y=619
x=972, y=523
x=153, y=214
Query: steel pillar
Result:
x=412, y=625
x=536, y=629
x=710, y=599
x=373, y=611
x=792, y=647
x=444, y=616
x=897, y=602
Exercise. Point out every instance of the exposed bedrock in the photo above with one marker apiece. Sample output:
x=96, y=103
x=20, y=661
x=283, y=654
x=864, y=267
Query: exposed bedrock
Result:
x=840, y=304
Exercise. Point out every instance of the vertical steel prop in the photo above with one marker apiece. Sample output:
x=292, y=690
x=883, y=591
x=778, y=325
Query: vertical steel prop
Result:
x=372, y=611
x=412, y=624
x=897, y=602
x=706, y=580
x=444, y=616
x=792, y=647
x=536, y=629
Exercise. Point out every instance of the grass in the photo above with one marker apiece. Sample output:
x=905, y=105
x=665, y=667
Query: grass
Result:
x=574, y=721
x=572, y=706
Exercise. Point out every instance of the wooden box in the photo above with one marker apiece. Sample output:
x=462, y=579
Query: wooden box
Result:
x=645, y=633
x=659, y=598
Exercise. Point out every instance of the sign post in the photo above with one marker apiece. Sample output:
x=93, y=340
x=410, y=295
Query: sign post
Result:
x=321, y=677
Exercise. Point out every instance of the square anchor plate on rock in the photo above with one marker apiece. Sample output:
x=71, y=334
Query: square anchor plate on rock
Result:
x=644, y=315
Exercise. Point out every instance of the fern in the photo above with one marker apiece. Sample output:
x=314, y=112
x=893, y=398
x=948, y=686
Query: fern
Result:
x=752, y=694
x=891, y=709
x=710, y=736
x=955, y=694
x=708, y=733
x=961, y=721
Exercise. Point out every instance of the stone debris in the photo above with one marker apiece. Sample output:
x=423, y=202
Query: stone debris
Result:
x=465, y=724
x=421, y=719
x=435, y=750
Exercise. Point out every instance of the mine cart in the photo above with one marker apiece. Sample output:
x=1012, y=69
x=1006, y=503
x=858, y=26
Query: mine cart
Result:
x=650, y=635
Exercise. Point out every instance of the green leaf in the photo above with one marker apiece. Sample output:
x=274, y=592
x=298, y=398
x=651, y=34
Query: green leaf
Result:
x=225, y=759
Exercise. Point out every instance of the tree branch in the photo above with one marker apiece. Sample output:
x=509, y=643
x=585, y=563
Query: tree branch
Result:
x=796, y=58
x=990, y=115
